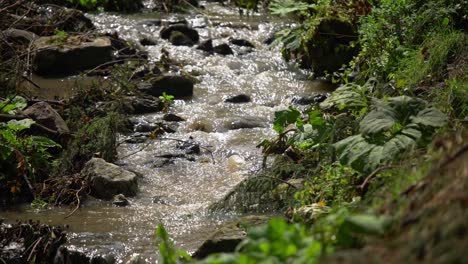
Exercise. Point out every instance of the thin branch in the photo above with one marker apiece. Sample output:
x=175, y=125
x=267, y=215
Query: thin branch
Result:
x=366, y=182
x=78, y=203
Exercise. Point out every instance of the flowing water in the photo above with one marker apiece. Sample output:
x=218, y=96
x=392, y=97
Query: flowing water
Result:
x=177, y=194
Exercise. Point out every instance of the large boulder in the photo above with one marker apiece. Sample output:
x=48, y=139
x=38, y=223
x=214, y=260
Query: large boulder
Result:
x=189, y=32
x=226, y=238
x=44, y=114
x=107, y=179
x=61, y=57
x=176, y=85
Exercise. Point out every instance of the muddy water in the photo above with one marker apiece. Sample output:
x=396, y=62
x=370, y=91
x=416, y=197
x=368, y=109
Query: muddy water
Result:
x=178, y=193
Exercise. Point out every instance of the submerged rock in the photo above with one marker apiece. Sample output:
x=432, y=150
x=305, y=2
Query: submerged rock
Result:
x=242, y=43
x=245, y=122
x=172, y=118
x=55, y=57
x=223, y=49
x=148, y=41
x=241, y=98
x=206, y=45
x=187, y=31
x=107, y=179
x=120, y=200
x=176, y=85
x=179, y=39
x=45, y=115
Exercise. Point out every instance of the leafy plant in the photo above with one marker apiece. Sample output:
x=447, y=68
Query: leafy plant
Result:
x=166, y=99
x=169, y=254
x=349, y=96
x=22, y=157
x=389, y=129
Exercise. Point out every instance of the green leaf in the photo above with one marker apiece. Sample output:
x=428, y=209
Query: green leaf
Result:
x=44, y=142
x=366, y=224
x=19, y=125
x=347, y=96
x=284, y=118
x=430, y=117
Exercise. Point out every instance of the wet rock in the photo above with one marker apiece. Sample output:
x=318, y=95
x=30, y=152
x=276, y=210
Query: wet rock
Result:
x=226, y=238
x=223, y=49
x=307, y=100
x=108, y=259
x=172, y=118
x=269, y=40
x=53, y=58
x=145, y=127
x=176, y=85
x=136, y=259
x=245, y=122
x=179, y=39
x=148, y=41
x=190, y=147
x=142, y=105
x=120, y=200
x=144, y=70
x=107, y=179
x=235, y=162
x=206, y=45
x=202, y=124
x=237, y=99
x=159, y=162
x=45, y=115
x=187, y=31
x=68, y=256
x=242, y=43
x=151, y=23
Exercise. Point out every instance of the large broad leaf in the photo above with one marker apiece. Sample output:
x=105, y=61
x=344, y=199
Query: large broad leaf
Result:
x=430, y=117
x=345, y=96
x=19, y=125
x=284, y=118
x=392, y=127
x=382, y=117
x=44, y=142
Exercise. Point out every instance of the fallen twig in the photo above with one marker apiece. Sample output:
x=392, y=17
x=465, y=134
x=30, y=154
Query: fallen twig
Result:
x=78, y=202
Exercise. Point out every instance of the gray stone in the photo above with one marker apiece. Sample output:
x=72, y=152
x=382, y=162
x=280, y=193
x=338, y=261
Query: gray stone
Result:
x=148, y=41
x=236, y=99
x=226, y=238
x=45, y=115
x=189, y=32
x=172, y=118
x=107, y=179
x=242, y=43
x=120, y=200
x=223, y=49
x=206, y=45
x=245, y=122
x=179, y=39
x=53, y=58
x=176, y=85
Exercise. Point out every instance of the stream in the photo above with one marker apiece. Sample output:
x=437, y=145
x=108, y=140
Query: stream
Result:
x=177, y=193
